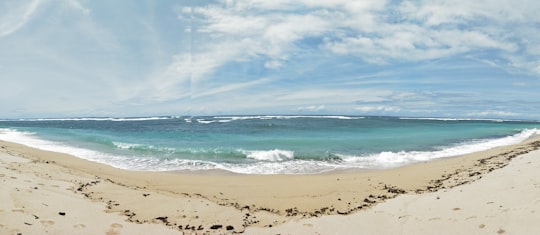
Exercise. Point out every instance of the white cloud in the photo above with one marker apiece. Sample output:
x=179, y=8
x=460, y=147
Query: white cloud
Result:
x=435, y=13
x=229, y=34
x=268, y=30
x=273, y=64
x=251, y=34
x=342, y=95
x=229, y=88
x=377, y=31
x=461, y=26
x=312, y=108
x=309, y=52
x=525, y=63
x=409, y=42
x=13, y=15
x=377, y=109
x=492, y=114
x=75, y=4
x=185, y=71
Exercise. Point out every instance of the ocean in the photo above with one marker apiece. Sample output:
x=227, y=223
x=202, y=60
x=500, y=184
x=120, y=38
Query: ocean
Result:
x=265, y=144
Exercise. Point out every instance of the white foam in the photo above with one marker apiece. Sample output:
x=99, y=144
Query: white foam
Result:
x=285, y=167
x=122, y=145
x=275, y=155
x=29, y=139
x=203, y=121
x=455, y=119
x=99, y=119
x=269, y=162
x=393, y=159
x=266, y=117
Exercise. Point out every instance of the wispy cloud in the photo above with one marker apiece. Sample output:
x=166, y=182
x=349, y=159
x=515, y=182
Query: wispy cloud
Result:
x=492, y=114
x=376, y=31
x=378, y=109
x=421, y=57
x=75, y=4
x=229, y=88
x=312, y=108
x=16, y=14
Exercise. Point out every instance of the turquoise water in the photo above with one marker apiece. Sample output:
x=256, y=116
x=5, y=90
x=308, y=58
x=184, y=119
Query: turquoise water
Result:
x=264, y=144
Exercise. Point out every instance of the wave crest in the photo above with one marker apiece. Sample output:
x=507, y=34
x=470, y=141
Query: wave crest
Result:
x=142, y=147
x=97, y=119
x=275, y=155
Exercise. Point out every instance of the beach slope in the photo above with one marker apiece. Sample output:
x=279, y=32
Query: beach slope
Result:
x=48, y=192
x=506, y=201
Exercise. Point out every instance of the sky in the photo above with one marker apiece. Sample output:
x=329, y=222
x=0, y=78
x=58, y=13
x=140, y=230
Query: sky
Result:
x=437, y=58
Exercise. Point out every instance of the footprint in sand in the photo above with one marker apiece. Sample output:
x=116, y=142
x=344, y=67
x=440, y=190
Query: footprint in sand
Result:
x=47, y=222
x=79, y=226
x=114, y=229
x=17, y=210
x=116, y=225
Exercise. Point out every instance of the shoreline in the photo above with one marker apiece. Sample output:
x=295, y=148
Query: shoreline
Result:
x=140, y=154
x=210, y=203
x=505, y=201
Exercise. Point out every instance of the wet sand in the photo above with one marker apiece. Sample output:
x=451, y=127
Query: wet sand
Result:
x=55, y=192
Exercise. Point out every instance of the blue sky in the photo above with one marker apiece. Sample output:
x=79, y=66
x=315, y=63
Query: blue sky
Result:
x=459, y=58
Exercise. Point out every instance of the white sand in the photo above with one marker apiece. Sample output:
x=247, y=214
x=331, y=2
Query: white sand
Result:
x=32, y=205
x=52, y=193
x=506, y=201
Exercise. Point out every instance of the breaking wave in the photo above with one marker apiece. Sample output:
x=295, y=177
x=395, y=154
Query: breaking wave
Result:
x=275, y=155
x=97, y=119
x=274, y=161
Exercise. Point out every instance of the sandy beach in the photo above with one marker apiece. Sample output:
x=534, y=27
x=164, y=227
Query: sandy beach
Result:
x=495, y=191
x=269, y=117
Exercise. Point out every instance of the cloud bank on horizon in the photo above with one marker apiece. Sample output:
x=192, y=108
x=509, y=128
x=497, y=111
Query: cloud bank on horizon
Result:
x=454, y=58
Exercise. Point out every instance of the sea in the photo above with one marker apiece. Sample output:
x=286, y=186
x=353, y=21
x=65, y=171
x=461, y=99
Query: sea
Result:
x=265, y=144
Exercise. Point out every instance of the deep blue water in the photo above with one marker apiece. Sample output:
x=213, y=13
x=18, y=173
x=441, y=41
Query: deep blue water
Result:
x=264, y=144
